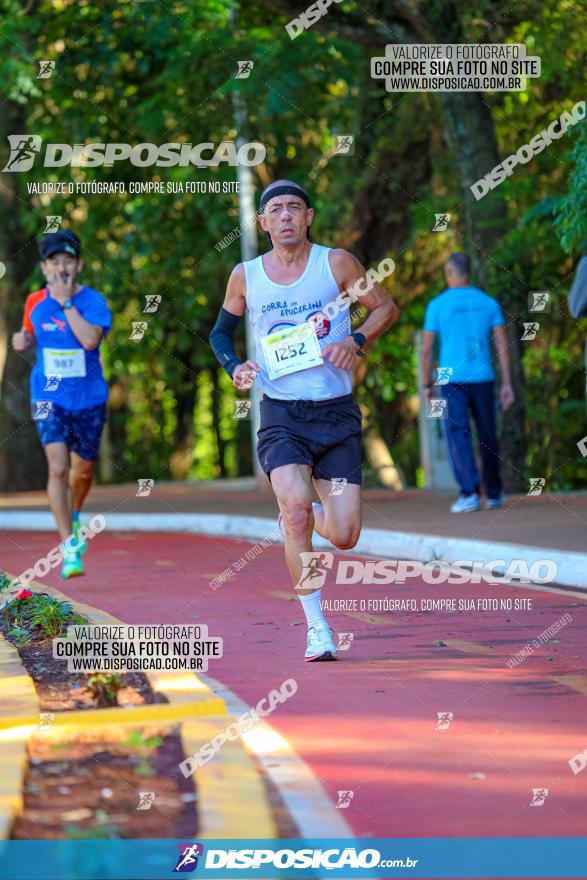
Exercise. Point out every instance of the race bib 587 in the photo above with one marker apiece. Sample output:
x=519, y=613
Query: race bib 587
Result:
x=68, y=363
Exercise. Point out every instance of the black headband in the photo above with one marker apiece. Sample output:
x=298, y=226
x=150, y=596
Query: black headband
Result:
x=287, y=189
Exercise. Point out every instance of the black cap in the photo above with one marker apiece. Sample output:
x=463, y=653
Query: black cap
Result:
x=63, y=242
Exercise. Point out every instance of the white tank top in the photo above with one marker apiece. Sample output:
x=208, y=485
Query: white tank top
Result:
x=275, y=306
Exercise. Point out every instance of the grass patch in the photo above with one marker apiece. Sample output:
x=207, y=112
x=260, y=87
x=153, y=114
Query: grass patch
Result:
x=144, y=747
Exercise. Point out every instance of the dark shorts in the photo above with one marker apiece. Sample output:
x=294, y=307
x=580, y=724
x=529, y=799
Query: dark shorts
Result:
x=325, y=434
x=79, y=429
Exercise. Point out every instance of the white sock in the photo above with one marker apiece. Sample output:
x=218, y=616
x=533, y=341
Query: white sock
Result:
x=312, y=610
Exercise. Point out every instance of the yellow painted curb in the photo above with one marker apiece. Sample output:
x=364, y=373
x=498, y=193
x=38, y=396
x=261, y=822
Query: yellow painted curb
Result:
x=154, y=713
x=17, y=690
x=177, y=686
x=17, y=693
x=233, y=801
x=232, y=796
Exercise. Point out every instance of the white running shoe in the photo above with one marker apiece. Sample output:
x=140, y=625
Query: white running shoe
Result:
x=492, y=503
x=320, y=644
x=466, y=504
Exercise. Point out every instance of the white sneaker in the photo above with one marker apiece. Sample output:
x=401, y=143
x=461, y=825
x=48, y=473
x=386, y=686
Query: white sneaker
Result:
x=492, y=503
x=320, y=644
x=466, y=504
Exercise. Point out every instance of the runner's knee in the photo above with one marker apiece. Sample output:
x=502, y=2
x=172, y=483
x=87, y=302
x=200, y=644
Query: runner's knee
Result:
x=343, y=537
x=82, y=470
x=296, y=517
x=58, y=469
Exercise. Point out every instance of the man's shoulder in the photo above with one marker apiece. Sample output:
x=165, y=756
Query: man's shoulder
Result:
x=90, y=298
x=34, y=298
x=486, y=298
x=439, y=298
x=238, y=271
x=337, y=256
x=478, y=291
x=88, y=292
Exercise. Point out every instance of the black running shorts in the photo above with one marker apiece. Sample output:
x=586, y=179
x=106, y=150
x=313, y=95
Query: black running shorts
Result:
x=325, y=434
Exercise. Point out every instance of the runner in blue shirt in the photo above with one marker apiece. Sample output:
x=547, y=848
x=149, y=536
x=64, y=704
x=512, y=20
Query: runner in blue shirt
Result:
x=66, y=321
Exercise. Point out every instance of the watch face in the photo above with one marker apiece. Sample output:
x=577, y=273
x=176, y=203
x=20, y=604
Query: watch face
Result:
x=67, y=304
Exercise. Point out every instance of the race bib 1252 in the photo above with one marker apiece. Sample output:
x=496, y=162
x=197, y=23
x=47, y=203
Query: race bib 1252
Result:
x=290, y=350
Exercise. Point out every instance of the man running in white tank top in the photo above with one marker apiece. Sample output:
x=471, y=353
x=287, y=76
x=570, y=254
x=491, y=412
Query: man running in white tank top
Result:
x=310, y=433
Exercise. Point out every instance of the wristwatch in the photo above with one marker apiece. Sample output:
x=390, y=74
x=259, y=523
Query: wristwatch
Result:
x=360, y=340
x=67, y=304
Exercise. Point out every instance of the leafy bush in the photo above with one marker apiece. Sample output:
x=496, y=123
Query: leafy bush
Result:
x=38, y=617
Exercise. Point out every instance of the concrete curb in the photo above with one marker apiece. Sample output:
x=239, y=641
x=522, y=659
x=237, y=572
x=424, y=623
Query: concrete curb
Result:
x=232, y=799
x=380, y=543
x=17, y=695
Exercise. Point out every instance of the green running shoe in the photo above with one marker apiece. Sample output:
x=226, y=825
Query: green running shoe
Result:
x=81, y=543
x=72, y=565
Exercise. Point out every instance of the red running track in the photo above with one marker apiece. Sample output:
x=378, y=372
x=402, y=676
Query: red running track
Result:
x=368, y=722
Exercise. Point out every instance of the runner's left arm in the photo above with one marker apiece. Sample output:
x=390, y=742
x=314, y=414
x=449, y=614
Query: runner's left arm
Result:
x=88, y=334
x=351, y=276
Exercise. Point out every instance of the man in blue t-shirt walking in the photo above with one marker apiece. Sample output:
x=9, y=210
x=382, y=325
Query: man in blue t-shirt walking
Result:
x=66, y=321
x=464, y=319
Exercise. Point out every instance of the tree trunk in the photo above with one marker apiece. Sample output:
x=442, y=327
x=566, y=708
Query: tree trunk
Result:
x=471, y=138
x=22, y=460
x=183, y=453
x=220, y=444
x=470, y=134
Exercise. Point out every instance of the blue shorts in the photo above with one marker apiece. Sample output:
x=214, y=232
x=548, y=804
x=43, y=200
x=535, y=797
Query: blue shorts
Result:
x=79, y=429
x=325, y=434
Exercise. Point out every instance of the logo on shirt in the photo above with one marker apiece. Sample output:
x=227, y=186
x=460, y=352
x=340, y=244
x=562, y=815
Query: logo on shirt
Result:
x=57, y=325
x=321, y=323
x=281, y=324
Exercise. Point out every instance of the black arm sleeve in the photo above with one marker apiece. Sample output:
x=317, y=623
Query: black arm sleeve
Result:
x=221, y=340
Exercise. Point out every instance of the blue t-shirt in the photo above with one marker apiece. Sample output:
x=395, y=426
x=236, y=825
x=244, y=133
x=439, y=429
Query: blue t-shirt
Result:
x=463, y=317
x=65, y=372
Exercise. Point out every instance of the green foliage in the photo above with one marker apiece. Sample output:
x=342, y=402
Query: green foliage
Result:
x=571, y=212
x=153, y=72
x=20, y=634
x=38, y=617
x=103, y=829
x=104, y=687
x=143, y=747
